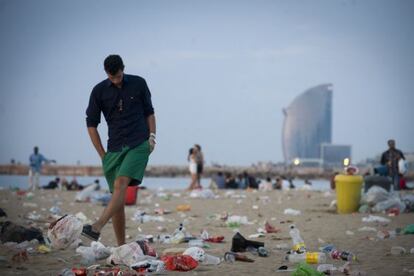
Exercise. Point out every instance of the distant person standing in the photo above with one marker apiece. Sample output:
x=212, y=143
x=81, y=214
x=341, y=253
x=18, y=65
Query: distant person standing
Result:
x=192, y=167
x=36, y=162
x=200, y=162
x=125, y=102
x=390, y=159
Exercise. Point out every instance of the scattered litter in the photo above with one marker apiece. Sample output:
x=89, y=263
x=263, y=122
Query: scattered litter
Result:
x=183, y=208
x=236, y=221
x=11, y=232
x=292, y=212
x=90, y=254
x=30, y=204
x=205, y=193
x=398, y=250
x=131, y=253
x=350, y=233
x=372, y=218
x=367, y=229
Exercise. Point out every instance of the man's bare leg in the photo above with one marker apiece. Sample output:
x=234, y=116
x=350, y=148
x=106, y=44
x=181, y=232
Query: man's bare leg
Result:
x=118, y=222
x=116, y=204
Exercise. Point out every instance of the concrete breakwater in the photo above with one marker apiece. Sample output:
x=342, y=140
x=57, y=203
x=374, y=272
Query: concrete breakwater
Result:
x=173, y=171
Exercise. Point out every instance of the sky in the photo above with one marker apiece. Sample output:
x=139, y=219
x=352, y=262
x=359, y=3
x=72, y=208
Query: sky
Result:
x=220, y=73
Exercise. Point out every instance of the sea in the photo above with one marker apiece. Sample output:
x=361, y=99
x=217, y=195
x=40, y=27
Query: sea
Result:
x=153, y=183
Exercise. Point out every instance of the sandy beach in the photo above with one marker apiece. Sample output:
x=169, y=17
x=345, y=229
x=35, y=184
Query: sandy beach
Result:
x=319, y=225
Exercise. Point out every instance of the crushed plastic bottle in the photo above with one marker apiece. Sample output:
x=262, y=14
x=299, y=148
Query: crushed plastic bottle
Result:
x=337, y=254
x=307, y=257
x=298, y=245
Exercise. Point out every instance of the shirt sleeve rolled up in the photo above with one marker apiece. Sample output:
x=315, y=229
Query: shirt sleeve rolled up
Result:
x=146, y=100
x=93, y=111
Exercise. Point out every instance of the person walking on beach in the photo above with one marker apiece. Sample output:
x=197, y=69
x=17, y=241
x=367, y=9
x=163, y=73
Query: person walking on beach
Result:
x=200, y=162
x=390, y=159
x=36, y=162
x=125, y=102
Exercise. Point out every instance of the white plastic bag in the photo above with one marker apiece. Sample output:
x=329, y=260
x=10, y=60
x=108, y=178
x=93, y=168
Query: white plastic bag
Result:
x=128, y=254
x=293, y=212
x=86, y=193
x=65, y=231
x=402, y=166
x=392, y=202
x=372, y=218
x=90, y=254
x=374, y=195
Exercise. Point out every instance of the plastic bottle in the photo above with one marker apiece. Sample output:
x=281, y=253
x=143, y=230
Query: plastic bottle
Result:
x=326, y=268
x=298, y=245
x=384, y=234
x=308, y=257
x=178, y=235
x=211, y=260
x=337, y=254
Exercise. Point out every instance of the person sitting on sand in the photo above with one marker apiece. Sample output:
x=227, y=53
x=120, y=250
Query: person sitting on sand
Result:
x=278, y=184
x=219, y=180
x=230, y=181
x=266, y=185
x=52, y=184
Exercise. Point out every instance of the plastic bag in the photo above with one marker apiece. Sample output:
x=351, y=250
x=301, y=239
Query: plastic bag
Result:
x=63, y=232
x=402, y=166
x=293, y=212
x=392, y=202
x=86, y=193
x=374, y=195
x=371, y=218
x=179, y=263
x=90, y=254
x=128, y=254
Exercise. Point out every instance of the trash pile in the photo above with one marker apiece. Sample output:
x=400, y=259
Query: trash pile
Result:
x=298, y=254
x=379, y=200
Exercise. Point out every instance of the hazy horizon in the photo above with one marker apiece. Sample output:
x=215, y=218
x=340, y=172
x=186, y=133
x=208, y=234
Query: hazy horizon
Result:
x=220, y=73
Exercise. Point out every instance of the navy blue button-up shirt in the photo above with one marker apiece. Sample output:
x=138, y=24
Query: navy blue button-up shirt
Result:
x=125, y=110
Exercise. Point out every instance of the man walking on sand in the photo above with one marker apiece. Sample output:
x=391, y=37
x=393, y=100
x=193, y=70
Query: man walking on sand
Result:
x=36, y=162
x=125, y=102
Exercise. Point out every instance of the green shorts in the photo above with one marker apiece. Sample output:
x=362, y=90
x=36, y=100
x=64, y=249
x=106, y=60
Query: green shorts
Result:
x=130, y=162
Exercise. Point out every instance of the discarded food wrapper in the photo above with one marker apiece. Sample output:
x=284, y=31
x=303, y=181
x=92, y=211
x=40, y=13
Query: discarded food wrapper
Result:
x=179, y=263
x=183, y=208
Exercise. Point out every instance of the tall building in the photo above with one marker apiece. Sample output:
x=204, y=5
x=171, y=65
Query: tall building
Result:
x=308, y=124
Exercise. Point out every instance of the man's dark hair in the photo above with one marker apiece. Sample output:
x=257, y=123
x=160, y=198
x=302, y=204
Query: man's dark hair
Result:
x=113, y=63
x=198, y=147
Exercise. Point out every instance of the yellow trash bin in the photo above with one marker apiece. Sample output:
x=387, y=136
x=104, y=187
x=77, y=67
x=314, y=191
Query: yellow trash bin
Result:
x=348, y=192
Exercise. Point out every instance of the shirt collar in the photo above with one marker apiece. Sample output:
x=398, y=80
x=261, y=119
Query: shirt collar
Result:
x=124, y=80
